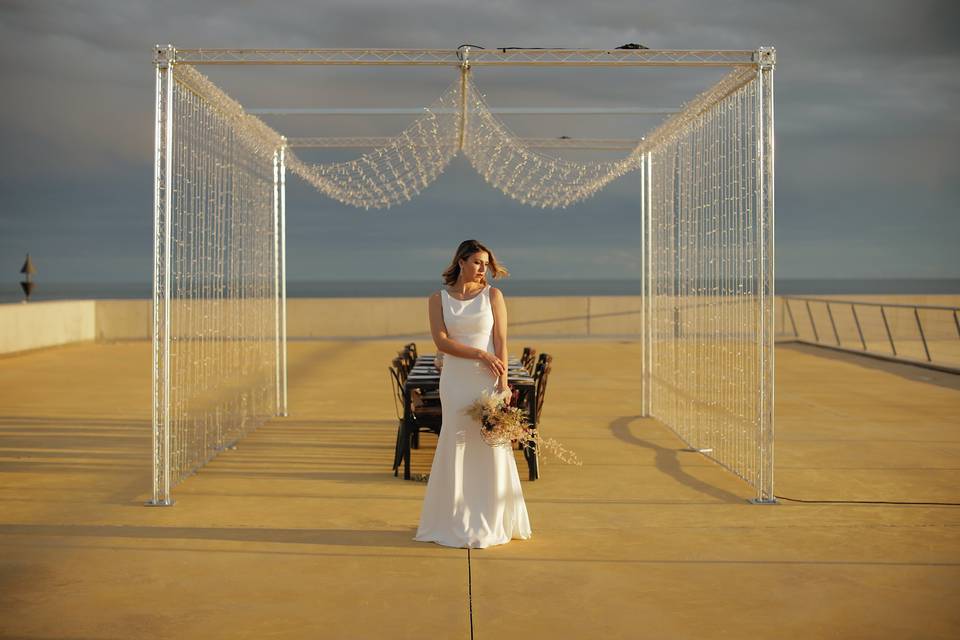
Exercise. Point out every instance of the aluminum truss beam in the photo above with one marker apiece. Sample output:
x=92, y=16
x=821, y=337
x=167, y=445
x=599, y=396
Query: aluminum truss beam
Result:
x=415, y=111
x=477, y=57
x=612, y=144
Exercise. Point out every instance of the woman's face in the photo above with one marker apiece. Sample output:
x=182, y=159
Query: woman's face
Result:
x=474, y=268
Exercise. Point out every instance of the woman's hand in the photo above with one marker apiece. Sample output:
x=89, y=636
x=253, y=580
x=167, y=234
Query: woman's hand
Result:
x=494, y=363
x=502, y=387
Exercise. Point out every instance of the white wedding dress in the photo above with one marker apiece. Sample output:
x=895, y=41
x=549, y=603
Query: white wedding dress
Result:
x=473, y=497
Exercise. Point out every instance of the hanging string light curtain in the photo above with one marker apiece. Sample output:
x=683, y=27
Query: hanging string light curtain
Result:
x=711, y=278
x=459, y=119
x=215, y=309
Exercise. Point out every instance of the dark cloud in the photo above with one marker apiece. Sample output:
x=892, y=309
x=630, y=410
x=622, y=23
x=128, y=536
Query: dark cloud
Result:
x=866, y=117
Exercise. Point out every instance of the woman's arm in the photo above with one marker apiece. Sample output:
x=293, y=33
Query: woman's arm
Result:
x=438, y=330
x=499, y=331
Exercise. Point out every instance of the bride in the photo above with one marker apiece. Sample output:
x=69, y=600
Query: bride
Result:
x=473, y=497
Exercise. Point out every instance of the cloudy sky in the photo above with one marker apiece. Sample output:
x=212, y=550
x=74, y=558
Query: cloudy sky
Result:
x=867, y=129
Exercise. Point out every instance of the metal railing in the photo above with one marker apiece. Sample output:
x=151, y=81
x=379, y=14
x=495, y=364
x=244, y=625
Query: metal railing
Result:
x=927, y=335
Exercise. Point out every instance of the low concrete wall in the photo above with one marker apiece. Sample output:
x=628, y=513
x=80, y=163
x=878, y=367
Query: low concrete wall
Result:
x=124, y=319
x=552, y=316
x=44, y=324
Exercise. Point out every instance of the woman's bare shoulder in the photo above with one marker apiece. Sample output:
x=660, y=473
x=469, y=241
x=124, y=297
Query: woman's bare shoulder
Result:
x=496, y=293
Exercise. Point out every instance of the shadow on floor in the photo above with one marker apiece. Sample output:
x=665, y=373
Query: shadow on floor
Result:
x=340, y=537
x=667, y=461
x=901, y=369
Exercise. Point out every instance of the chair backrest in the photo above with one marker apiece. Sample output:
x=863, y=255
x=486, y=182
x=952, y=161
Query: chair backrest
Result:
x=397, y=392
x=407, y=356
x=529, y=358
x=416, y=399
x=402, y=368
x=412, y=348
x=543, y=361
x=542, y=387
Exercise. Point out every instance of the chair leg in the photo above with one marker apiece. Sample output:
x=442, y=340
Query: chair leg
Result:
x=406, y=460
x=533, y=465
x=398, y=451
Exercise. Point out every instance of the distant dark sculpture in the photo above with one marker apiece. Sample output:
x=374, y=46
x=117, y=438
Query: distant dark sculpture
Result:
x=29, y=270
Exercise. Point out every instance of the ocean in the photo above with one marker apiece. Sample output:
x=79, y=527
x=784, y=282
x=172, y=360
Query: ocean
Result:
x=10, y=292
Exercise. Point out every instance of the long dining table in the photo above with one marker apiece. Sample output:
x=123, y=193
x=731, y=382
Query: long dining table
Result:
x=426, y=377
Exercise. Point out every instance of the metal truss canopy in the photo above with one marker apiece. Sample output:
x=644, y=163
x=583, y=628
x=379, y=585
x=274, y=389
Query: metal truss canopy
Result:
x=477, y=57
x=706, y=213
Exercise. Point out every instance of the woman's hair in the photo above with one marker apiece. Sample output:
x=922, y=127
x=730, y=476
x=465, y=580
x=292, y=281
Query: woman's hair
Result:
x=466, y=249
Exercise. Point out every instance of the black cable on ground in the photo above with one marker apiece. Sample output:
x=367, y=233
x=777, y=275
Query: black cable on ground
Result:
x=939, y=504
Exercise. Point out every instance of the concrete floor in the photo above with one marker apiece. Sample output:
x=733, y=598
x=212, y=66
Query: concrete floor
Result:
x=303, y=532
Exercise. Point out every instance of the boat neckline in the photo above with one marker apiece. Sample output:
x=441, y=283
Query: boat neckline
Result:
x=479, y=293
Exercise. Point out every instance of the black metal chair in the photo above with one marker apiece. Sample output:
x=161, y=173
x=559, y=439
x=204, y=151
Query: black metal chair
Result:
x=431, y=397
x=422, y=417
x=427, y=415
x=397, y=363
x=543, y=360
x=408, y=359
x=528, y=359
x=412, y=348
x=398, y=408
x=542, y=387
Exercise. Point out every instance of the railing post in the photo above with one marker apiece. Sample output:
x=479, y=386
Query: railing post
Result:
x=923, y=338
x=793, y=323
x=813, y=323
x=833, y=324
x=886, y=325
x=853, y=308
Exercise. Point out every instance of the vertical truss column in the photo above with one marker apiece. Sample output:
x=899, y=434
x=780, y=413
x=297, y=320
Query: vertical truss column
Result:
x=276, y=281
x=464, y=72
x=644, y=291
x=283, y=277
x=649, y=292
x=644, y=391
x=162, y=206
x=765, y=270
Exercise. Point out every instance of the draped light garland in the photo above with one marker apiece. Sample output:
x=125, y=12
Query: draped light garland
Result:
x=258, y=138
x=397, y=171
x=532, y=178
x=459, y=120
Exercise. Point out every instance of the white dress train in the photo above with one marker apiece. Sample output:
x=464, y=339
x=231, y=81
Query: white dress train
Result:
x=473, y=497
